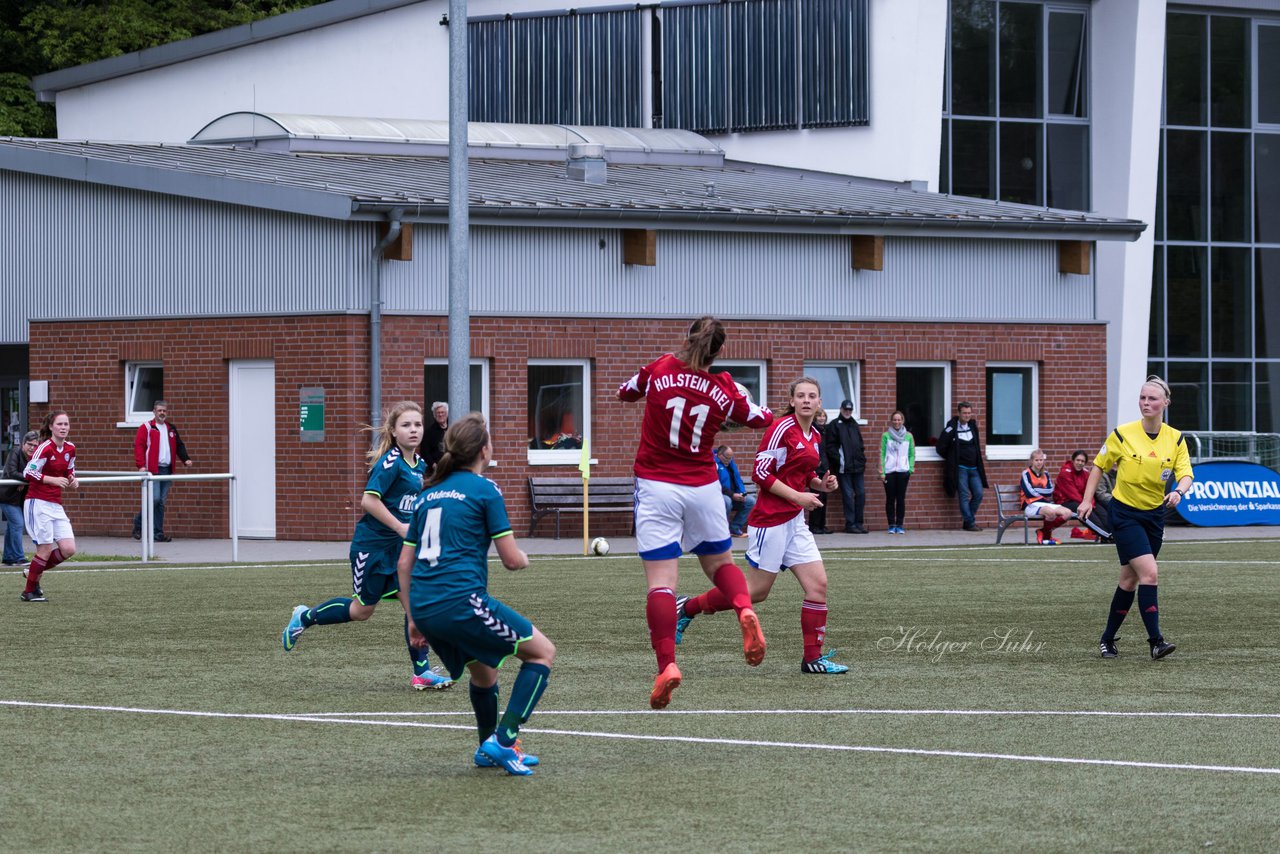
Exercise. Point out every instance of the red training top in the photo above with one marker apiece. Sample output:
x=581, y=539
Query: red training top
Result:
x=49, y=461
x=788, y=454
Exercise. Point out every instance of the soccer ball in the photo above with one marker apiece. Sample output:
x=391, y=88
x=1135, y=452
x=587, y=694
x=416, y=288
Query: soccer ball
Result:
x=600, y=546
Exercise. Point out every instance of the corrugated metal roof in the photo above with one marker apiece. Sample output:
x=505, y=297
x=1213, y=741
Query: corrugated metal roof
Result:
x=733, y=195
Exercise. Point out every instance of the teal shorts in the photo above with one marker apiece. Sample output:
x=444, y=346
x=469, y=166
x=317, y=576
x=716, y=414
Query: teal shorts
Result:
x=477, y=628
x=373, y=571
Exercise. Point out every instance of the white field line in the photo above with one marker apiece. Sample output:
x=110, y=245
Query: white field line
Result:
x=733, y=742
x=830, y=557
x=1067, y=713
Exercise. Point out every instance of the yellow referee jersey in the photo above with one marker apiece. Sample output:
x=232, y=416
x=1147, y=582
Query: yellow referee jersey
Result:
x=1144, y=465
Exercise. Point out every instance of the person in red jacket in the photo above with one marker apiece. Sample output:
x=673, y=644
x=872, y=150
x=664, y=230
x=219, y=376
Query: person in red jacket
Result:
x=1069, y=491
x=155, y=449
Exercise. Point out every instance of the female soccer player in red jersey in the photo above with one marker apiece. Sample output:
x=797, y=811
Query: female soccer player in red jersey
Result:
x=52, y=467
x=678, y=503
x=777, y=537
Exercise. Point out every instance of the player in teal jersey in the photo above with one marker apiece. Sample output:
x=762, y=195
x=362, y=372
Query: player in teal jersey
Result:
x=395, y=479
x=444, y=564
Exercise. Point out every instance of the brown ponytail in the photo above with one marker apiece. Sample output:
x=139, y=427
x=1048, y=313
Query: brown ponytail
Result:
x=706, y=337
x=464, y=442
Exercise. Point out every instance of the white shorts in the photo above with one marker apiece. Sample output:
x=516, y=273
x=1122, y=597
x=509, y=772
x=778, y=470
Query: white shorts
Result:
x=1032, y=510
x=46, y=521
x=781, y=546
x=672, y=519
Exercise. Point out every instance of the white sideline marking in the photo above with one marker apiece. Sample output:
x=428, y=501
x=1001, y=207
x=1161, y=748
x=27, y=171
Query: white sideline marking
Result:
x=542, y=713
x=736, y=742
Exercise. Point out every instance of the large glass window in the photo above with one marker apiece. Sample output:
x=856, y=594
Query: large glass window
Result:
x=1016, y=118
x=924, y=396
x=1215, y=298
x=1013, y=392
x=839, y=382
x=559, y=410
x=753, y=375
x=435, y=385
x=143, y=386
x=1267, y=398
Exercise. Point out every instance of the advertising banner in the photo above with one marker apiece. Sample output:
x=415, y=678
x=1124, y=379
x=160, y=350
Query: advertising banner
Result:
x=1227, y=493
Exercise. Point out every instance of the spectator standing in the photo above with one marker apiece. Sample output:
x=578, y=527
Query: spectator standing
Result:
x=433, y=439
x=818, y=516
x=960, y=446
x=156, y=447
x=847, y=460
x=897, y=463
x=11, y=498
x=737, y=503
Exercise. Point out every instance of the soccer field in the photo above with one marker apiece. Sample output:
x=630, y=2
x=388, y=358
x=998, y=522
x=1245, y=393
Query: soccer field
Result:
x=148, y=709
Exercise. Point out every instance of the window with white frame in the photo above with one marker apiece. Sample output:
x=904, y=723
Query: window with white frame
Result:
x=751, y=373
x=143, y=386
x=1012, y=425
x=559, y=410
x=839, y=381
x=924, y=397
x=435, y=386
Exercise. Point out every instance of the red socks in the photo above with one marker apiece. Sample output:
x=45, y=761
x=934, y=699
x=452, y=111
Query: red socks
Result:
x=813, y=627
x=660, y=611
x=55, y=557
x=730, y=591
x=34, y=572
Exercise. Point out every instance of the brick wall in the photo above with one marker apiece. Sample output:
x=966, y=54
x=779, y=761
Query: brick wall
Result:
x=318, y=484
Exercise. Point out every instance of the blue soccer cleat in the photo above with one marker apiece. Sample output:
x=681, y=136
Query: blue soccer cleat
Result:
x=682, y=620
x=289, y=637
x=823, y=664
x=507, y=758
x=483, y=761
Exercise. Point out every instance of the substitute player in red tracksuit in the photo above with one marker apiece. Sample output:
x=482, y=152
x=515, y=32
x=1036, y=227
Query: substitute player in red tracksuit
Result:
x=678, y=503
x=777, y=536
x=51, y=469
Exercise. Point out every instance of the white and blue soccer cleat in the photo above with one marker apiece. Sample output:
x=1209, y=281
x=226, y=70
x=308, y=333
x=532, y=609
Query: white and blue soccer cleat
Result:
x=507, y=758
x=483, y=761
x=682, y=620
x=289, y=637
x=823, y=664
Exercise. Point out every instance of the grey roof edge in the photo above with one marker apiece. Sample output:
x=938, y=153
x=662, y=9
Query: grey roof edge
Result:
x=47, y=86
x=913, y=226
x=214, y=188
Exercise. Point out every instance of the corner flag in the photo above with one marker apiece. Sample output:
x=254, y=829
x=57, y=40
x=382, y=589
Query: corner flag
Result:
x=584, y=466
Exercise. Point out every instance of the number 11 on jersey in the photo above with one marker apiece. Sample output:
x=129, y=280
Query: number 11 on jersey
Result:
x=697, y=413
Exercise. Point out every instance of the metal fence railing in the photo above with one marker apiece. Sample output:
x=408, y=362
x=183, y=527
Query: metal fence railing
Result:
x=1261, y=448
x=147, y=482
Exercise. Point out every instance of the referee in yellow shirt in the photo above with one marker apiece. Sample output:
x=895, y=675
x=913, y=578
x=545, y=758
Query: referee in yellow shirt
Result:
x=1146, y=455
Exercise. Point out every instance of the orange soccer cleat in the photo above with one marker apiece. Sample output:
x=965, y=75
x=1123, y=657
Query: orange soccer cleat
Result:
x=663, y=684
x=752, y=636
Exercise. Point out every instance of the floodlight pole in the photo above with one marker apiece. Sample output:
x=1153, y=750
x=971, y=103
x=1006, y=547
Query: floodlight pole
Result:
x=459, y=218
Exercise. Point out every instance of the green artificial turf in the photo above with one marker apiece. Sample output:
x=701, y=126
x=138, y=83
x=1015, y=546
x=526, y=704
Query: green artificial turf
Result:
x=343, y=756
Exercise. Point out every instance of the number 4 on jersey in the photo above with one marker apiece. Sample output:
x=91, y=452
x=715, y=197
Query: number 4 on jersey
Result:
x=430, y=548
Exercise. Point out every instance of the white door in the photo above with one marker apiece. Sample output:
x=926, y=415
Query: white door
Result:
x=252, y=405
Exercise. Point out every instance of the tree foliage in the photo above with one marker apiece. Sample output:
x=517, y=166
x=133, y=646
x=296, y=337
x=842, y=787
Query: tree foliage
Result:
x=39, y=36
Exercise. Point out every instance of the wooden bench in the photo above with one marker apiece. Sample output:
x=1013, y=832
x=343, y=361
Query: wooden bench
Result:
x=1009, y=509
x=564, y=495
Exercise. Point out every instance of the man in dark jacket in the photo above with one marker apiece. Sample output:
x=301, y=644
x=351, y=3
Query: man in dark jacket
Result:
x=960, y=446
x=11, y=498
x=157, y=447
x=848, y=461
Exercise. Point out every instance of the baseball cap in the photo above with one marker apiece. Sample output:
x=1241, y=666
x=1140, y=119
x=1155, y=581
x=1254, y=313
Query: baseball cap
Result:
x=846, y=404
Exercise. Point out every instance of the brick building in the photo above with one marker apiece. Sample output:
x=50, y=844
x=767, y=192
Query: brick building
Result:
x=204, y=269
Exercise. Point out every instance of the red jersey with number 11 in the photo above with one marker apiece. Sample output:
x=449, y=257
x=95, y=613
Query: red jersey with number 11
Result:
x=683, y=412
